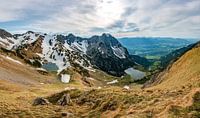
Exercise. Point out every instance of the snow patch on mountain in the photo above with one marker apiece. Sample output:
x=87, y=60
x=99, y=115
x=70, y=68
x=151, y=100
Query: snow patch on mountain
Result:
x=126, y=87
x=65, y=78
x=80, y=46
x=67, y=46
x=113, y=82
x=51, y=53
x=27, y=38
x=13, y=60
x=64, y=51
x=119, y=52
x=8, y=43
x=41, y=69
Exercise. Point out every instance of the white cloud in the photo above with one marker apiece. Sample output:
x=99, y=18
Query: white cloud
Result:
x=82, y=16
x=10, y=10
x=177, y=18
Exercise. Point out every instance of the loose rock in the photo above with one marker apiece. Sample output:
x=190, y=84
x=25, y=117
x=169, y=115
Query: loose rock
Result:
x=40, y=101
x=64, y=100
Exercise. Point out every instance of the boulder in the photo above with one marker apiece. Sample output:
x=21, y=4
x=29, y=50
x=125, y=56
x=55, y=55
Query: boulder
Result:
x=40, y=101
x=67, y=115
x=64, y=100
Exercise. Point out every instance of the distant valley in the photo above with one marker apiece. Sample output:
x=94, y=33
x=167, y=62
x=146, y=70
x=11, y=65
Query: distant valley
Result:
x=153, y=47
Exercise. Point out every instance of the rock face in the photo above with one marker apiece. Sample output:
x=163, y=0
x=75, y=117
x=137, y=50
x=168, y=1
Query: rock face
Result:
x=104, y=52
x=101, y=52
x=108, y=54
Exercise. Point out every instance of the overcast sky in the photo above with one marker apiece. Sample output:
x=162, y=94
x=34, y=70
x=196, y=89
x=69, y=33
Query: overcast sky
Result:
x=172, y=18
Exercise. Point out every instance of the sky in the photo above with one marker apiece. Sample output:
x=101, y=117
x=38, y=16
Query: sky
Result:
x=121, y=18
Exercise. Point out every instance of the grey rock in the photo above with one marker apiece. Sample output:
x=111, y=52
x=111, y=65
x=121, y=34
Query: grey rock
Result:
x=64, y=100
x=40, y=101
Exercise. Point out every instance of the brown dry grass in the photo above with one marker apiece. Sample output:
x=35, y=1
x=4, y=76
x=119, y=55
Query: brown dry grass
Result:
x=185, y=71
x=20, y=85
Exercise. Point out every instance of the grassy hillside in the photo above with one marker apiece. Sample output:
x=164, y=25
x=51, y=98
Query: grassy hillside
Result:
x=175, y=95
x=185, y=71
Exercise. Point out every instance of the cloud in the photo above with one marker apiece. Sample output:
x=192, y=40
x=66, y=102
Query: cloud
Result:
x=122, y=26
x=11, y=10
x=97, y=29
x=117, y=24
x=129, y=11
x=176, y=18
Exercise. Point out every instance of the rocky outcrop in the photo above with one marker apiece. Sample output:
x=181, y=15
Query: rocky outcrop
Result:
x=64, y=100
x=35, y=47
x=40, y=101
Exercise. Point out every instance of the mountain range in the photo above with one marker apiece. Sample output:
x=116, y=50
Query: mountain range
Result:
x=102, y=52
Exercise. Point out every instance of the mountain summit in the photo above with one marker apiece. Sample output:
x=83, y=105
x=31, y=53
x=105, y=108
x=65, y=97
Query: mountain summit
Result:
x=101, y=52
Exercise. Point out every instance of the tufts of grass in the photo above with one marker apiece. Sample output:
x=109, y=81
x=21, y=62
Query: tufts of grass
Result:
x=195, y=108
x=126, y=80
x=192, y=111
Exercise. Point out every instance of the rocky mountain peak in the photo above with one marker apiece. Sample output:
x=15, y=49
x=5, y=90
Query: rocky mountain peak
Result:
x=106, y=35
x=71, y=35
x=30, y=32
x=4, y=34
x=103, y=52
